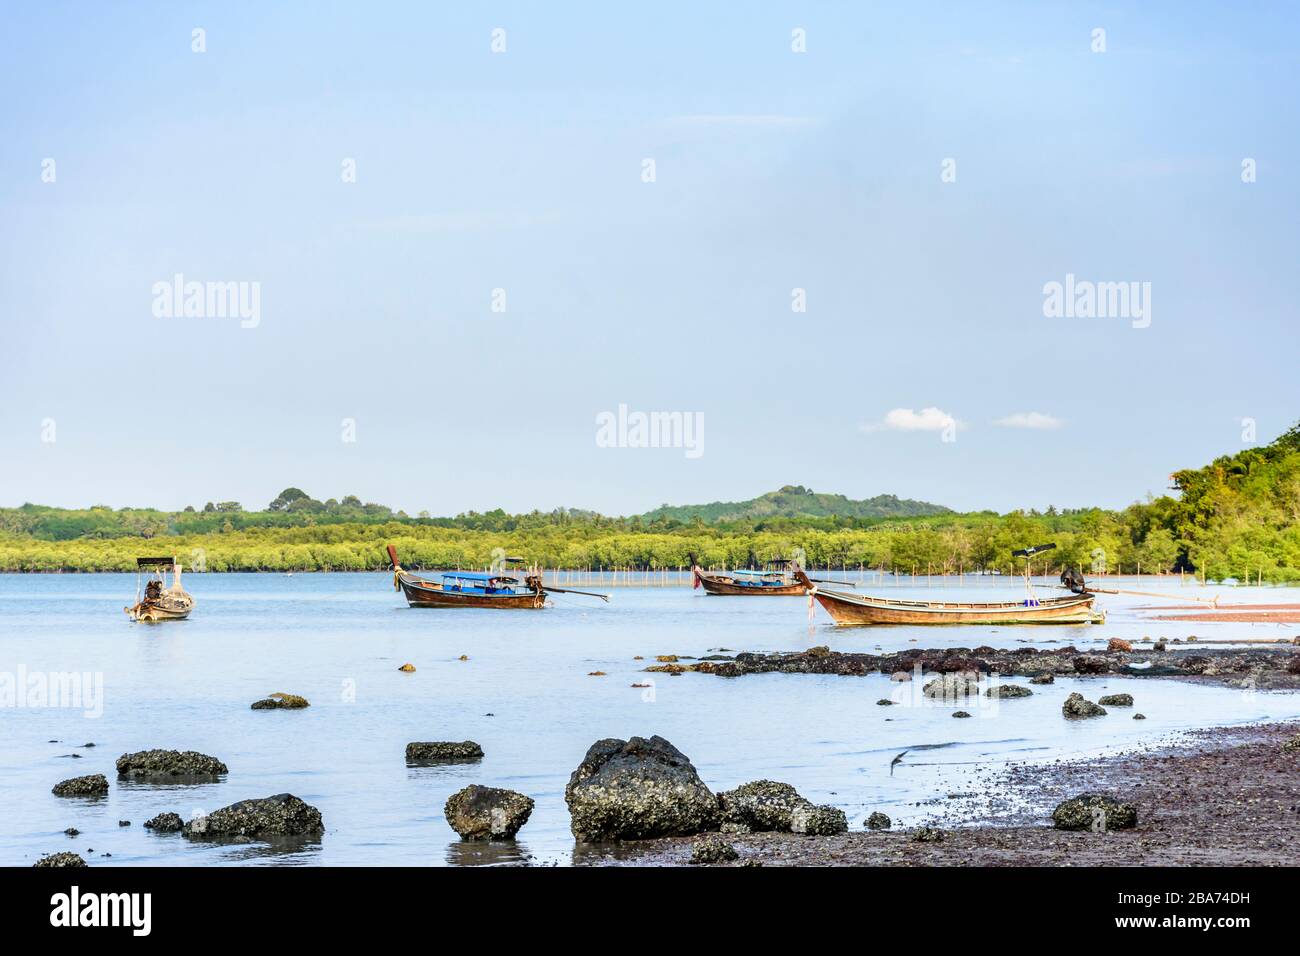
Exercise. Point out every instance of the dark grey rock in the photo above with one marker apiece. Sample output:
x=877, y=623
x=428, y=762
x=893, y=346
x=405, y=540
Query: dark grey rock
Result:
x=1076, y=707
x=165, y=823
x=762, y=805
x=712, y=849
x=818, y=821
x=167, y=764
x=93, y=785
x=955, y=686
x=1094, y=811
x=443, y=751
x=1043, y=679
x=280, y=815
x=60, y=859
x=638, y=789
x=487, y=813
x=281, y=701
x=1116, y=700
x=879, y=821
x=1007, y=691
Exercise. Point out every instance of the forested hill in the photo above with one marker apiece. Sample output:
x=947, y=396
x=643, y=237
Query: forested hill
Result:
x=796, y=501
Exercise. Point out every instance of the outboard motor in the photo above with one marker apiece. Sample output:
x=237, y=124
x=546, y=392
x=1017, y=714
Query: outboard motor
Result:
x=1072, y=578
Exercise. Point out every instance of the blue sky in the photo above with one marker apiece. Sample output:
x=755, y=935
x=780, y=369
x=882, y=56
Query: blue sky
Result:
x=522, y=171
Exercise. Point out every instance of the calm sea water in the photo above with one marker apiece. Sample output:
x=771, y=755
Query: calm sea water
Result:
x=524, y=694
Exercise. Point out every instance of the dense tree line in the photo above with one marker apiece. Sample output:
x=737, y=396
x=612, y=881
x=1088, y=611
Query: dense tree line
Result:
x=1237, y=517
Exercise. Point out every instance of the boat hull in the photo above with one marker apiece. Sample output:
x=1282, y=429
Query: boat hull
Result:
x=419, y=594
x=722, y=584
x=863, y=609
x=156, y=615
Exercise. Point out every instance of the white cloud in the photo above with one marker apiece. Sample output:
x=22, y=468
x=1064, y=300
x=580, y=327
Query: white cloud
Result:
x=1029, y=420
x=908, y=420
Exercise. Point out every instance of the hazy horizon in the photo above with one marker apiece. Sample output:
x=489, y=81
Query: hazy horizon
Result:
x=452, y=263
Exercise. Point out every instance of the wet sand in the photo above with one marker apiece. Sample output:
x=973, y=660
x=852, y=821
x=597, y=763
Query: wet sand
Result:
x=1220, y=797
x=1235, y=617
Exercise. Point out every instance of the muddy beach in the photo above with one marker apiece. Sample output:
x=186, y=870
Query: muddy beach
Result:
x=1217, y=797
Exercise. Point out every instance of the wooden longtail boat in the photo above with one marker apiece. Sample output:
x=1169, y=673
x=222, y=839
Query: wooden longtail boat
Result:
x=155, y=599
x=475, y=588
x=776, y=579
x=864, y=609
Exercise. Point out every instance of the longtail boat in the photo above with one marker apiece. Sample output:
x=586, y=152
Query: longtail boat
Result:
x=777, y=578
x=155, y=599
x=476, y=588
x=1076, y=608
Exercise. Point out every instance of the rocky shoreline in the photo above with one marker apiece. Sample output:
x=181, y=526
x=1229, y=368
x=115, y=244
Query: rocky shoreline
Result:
x=1264, y=667
x=1218, y=797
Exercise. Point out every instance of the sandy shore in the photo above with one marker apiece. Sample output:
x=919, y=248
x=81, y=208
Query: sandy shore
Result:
x=1223, y=796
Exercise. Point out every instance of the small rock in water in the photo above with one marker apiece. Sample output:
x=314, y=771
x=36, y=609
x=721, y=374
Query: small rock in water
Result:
x=927, y=835
x=1043, y=679
x=407, y=668
x=93, y=785
x=666, y=658
x=1139, y=716
x=433, y=751
x=72, y=831
x=713, y=849
x=1160, y=645
x=88, y=744
x=597, y=674
x=900, y=677
x=165, y=823
x=1005, y=691
x=487, y=813
x=280, y=815
x=60, y=859
x=1118, y=644
x=1076, y=707
x=146, y=764
x=281, y=701
x=1116, y=700
x=960, y=713
x=124, y=823
x=463, y=657
x=884, y=702
x=879, y=821
x=952, y=687
x=818, y=821
x=1094, y=811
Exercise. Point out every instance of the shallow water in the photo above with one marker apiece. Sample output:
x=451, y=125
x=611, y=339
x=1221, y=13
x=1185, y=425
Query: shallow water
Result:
x=525, y=695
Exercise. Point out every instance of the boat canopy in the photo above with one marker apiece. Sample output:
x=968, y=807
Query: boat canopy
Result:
x=761, y=574
x=479, y=577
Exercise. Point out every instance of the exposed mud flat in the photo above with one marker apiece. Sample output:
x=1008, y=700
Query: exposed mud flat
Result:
x=1218, y=797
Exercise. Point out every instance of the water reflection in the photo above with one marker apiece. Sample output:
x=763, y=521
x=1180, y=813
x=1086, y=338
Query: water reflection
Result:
x=488, y=853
